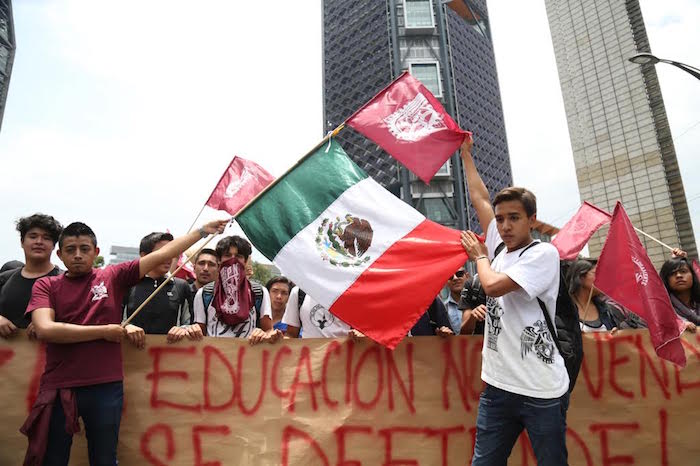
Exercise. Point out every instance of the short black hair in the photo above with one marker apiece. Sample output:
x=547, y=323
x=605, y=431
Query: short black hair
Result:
x=76, y=229
x=148, y=242
x=278, y=279
x=242, y=245
x=524, y=196
x=45, y=222
x=209, y=251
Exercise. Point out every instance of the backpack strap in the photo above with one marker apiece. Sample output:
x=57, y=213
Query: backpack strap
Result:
x=550, y=325
x=300, y=298
x=257, y=300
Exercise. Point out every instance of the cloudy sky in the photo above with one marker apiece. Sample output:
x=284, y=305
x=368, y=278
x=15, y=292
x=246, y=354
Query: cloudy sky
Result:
x=125, y=114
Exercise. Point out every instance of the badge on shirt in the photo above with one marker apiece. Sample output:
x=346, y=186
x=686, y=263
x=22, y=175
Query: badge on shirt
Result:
x=99, y=291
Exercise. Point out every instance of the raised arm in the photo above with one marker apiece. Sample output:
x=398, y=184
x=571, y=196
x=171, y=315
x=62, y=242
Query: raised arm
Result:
x=47, y=329
x=175, y=247
x=478, y=193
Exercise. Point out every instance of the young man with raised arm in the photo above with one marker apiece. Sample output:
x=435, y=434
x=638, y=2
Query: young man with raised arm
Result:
x=526, y=379
x=78, y=314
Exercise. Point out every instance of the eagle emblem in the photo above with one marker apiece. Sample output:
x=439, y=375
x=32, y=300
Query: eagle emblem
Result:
x=344, y=241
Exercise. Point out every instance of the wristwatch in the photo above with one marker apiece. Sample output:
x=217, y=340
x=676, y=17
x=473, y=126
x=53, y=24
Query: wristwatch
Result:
x=203, y=233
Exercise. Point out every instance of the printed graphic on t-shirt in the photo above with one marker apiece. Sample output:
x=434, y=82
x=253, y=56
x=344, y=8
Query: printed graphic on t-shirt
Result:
x=320, y=317
x=239, y=330
x=537, y=338
x=493, y=314
x=99, y=291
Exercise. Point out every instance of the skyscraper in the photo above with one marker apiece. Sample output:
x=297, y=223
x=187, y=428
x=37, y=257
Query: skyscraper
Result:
x=449, y=49
x=619, y=132
x=7, y=51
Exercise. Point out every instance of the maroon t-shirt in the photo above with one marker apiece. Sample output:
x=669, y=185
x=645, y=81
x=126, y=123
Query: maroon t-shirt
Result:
x=93, y=299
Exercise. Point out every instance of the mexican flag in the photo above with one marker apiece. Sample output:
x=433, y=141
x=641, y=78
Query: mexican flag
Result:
x=371, y=259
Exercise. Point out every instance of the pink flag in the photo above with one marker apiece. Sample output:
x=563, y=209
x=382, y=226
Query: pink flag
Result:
x=186, y=272
x=241, y=182
x=408, y=122
x=577, y=231
x=696, y=269
x=626, y=274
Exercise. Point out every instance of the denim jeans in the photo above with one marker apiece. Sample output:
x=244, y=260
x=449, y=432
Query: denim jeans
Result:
x=502, y=417
x=100, y=406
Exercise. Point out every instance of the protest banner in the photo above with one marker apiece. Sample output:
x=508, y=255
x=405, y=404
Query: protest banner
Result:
x=341, y=403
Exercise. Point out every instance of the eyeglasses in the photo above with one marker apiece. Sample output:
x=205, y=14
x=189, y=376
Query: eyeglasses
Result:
x=459, y=273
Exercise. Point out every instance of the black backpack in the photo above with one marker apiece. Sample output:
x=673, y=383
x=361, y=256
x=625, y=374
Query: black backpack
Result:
x=567, y=336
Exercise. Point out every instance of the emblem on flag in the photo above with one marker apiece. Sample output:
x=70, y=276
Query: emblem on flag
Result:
x=640, y=274
x=415, y=120
x=235, y=186
x=344, y=241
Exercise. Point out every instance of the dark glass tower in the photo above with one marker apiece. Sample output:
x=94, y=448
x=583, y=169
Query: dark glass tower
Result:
x=7, y=51
x=448, y=48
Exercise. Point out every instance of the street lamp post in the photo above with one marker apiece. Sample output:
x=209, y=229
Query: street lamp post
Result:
x=649, y=59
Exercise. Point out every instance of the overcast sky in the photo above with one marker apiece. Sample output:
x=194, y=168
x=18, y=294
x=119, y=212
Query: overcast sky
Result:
x=125, y=114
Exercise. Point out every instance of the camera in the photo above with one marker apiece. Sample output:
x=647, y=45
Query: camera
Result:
x=472, y=294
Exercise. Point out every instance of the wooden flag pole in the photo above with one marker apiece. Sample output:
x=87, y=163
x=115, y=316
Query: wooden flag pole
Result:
x=172, y=275
x=654, y=239
x=248, y=204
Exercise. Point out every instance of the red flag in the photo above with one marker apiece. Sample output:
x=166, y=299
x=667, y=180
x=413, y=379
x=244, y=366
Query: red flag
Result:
x=696, y=269
x=577, y=231
x=625, y=273
x=240, y=183
x=186, y=272
x=408, y=122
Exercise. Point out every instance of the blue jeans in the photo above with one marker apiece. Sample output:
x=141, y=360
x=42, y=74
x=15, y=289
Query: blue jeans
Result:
x=502, y=417
x=100, y=406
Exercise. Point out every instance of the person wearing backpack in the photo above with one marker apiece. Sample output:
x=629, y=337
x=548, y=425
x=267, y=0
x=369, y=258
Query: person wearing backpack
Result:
x=238, y=308
x=38, y=235
x=527, y=384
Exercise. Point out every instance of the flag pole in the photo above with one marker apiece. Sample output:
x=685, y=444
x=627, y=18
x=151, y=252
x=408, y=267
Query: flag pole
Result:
x=653, y=239
x=197, y=217
x=328, y=136
x=248, y=204
x=167, y=280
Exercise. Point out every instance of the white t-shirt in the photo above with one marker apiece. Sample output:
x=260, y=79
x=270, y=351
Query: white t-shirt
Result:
x=215, y=328
x=519, y=354
x=314, y=320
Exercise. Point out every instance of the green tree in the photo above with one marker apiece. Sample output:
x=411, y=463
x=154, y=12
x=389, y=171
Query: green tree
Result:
x=99, y=262
x=261, y=273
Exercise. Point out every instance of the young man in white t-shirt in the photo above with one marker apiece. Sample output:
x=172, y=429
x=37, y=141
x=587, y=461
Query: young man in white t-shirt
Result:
x=526, y=379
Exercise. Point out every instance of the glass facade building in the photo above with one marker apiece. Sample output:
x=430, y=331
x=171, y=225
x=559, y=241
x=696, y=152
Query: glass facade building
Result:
x=448, y=48
x=7, y=51
x=619, y=132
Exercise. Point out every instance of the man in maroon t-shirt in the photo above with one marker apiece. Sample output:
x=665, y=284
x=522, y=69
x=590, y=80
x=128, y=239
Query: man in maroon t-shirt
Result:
x=78, y=314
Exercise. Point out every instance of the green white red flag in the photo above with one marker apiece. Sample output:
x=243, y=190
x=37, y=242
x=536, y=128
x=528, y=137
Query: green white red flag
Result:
x=371, y=259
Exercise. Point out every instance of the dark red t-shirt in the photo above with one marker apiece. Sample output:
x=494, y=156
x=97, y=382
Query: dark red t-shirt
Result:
x=93, y=299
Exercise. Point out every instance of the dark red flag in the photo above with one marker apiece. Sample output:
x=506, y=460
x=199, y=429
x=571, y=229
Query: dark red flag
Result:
x=696, y=269
x=408, y=122
x=626, y=274
x=579, y=229
x=241, y=182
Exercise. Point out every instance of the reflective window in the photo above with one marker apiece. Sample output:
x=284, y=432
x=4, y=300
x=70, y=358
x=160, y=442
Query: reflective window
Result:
x=418, y=13
x=428, y=74
x=435, y=208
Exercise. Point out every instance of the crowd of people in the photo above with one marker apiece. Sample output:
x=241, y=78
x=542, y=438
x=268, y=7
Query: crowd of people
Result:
x=80, y=313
